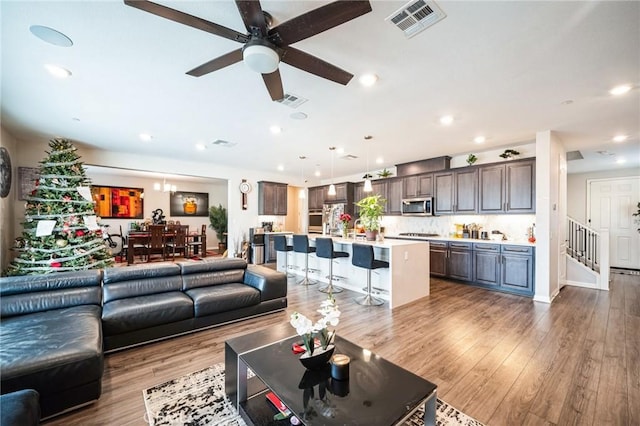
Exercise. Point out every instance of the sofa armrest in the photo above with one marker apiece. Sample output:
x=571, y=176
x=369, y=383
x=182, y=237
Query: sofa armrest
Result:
x=272, y=284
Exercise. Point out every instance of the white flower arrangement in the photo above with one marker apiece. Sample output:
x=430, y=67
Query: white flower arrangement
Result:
x=308, y=330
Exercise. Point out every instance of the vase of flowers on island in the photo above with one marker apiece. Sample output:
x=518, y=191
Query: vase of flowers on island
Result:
x=316, y=338
x=345, y=218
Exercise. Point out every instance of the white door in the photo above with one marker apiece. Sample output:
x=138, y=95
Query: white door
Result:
x=611, y=205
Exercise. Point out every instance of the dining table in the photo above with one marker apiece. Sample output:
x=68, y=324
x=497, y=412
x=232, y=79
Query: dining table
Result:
x=142, y=238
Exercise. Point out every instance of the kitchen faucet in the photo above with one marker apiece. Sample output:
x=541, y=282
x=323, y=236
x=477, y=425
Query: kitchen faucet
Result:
x=355, y=229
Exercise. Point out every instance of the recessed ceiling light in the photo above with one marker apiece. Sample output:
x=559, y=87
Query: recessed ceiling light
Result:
x=446, y=120
x=280, y=167
x=51, y=36
x=368, y=80
x=620, y=138
x=145, y=137
x=75, y=119
x=621, y=161
x=479, y=139
x=340, y=150
x=200, y=147
x=57, y=71
x=299, y=115
x=620, y=90
x=379, y=160
x=275, y=129
x=567, y=102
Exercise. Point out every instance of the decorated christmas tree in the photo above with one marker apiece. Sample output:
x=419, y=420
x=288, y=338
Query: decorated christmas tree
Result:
x=60, y=228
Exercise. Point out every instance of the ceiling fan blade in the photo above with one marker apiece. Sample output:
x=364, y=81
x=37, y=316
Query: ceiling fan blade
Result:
x=217, y=63
x=186, y=19
x=314, y=65
x=319, y=20
x=252, y=15
x=274, y=85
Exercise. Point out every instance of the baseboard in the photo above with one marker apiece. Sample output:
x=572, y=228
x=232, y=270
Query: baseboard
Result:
x=583, y=285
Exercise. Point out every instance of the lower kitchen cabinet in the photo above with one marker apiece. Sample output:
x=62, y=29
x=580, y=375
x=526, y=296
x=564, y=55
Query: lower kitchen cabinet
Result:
x=496, y=266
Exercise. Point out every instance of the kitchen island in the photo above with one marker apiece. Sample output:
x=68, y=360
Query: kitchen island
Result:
x=406, y=279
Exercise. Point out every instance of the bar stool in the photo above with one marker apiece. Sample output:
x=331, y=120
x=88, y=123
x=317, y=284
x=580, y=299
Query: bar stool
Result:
x=363, y=257
x=280, y=244
x=324, y=248
x=301, y=245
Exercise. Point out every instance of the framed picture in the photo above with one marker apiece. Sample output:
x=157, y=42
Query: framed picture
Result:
x=189, y=204
x=27, y=176
x=114, y=202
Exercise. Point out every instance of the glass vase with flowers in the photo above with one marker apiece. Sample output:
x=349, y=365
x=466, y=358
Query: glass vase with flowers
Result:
x=345, y=219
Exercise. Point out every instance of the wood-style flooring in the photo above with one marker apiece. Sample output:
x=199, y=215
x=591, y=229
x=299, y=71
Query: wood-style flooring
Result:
x=500, y=358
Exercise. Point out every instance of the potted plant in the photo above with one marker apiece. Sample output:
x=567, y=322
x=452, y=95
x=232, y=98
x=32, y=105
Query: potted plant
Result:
x=471, y=159
x=509, y=153
x=371, y=210
x=218, y=222
x=385, y=173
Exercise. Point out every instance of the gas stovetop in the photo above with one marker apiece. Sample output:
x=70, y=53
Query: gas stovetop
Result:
x=417, y=234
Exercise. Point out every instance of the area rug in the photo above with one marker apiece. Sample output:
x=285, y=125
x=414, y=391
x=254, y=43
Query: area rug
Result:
x=198, y=399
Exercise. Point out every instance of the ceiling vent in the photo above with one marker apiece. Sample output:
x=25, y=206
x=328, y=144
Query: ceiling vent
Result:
x=416, y=16
x=574, y=155
x=291, y=100
x=349, y=157
x=225, y=144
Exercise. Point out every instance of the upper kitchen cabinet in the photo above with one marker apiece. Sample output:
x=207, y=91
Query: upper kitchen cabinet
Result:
x=272, y=198
x=394, y=196
x=456, y=191
x=417, y=186
x=316, y=197
x=507, y=188
x=344, y=194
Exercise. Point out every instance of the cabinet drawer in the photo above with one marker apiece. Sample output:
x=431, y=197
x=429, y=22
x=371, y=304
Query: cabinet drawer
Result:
x=517, y=249
x=438, y=244
x=460, y=246
x=495, y=248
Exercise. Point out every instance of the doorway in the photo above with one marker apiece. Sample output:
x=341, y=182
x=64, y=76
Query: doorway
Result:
x=610, y=206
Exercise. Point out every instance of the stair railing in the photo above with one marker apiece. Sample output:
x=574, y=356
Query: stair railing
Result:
x=589, y=247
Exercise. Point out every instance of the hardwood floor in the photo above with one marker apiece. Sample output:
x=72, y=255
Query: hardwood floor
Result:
x=500, y=358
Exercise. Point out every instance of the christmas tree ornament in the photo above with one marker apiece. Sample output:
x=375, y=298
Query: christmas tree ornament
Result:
x=61, y=242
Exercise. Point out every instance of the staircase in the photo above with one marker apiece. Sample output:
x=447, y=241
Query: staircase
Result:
x=590, y=249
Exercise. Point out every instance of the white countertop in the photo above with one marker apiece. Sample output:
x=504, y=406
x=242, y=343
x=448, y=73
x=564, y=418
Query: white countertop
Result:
x=386, y=243
x=461, y=240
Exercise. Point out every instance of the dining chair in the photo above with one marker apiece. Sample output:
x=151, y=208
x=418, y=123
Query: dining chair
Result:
x=156, y=242
x=199, y=242
x=179, y=241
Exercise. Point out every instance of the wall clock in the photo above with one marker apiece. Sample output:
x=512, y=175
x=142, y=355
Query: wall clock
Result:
x=5, y=172
x=245, y=188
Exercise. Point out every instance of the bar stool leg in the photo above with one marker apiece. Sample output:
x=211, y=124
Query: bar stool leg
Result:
x=368, y=299
x=330, y=288
x=286, y=265
x=306, y=280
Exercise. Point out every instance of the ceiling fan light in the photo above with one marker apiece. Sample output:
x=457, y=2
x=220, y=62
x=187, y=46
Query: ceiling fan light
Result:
x=367, y=185
x=260, y=59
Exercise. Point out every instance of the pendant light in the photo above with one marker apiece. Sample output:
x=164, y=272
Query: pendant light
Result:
x=302, y=194
x=367, y=181
x=332, y=187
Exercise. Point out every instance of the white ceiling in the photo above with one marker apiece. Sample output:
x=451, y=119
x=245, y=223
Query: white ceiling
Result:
x=502, y=69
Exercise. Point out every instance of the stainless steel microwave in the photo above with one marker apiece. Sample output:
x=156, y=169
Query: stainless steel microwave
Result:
x=417, y=206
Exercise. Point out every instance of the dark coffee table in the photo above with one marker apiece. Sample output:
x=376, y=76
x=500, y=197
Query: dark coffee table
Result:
x=378, y=392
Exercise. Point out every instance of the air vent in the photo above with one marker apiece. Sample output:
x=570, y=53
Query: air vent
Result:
x=291, y=100
x=349, y=157
x=226, y=144
x=574, y=155
x=416, y=16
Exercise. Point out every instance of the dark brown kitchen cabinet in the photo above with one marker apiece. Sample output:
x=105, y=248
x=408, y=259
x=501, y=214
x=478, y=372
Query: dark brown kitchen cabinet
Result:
x=486, y=264
x=394, y=196
x=456, y=191
x=460, y=261
x=344, y=193
x=517, y=269
x=272, y=198
x=316, y=197
x=358, y=194
x=417, y=186
x=438, y=256
x=507, y=188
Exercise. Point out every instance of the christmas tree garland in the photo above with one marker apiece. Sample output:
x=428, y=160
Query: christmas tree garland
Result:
x=60, y=231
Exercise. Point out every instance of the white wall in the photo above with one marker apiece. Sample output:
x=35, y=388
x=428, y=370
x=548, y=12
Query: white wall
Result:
x=577, y=189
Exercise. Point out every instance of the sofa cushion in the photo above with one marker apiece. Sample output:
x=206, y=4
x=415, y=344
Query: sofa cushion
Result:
x=28, y=294
x=20, y=408
x=215, y=272
x=135, y=313
x=51, y=351
x=222, y=298
x=140, y=280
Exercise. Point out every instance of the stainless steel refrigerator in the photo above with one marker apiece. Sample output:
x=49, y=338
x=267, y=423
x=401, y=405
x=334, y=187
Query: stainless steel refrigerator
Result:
x=331, y=218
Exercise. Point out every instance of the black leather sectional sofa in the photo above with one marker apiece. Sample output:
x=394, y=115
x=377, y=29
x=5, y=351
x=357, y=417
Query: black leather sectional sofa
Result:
x=55, y=329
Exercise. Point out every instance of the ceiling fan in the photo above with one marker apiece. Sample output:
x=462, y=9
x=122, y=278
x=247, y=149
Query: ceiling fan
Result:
x=265, y=47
